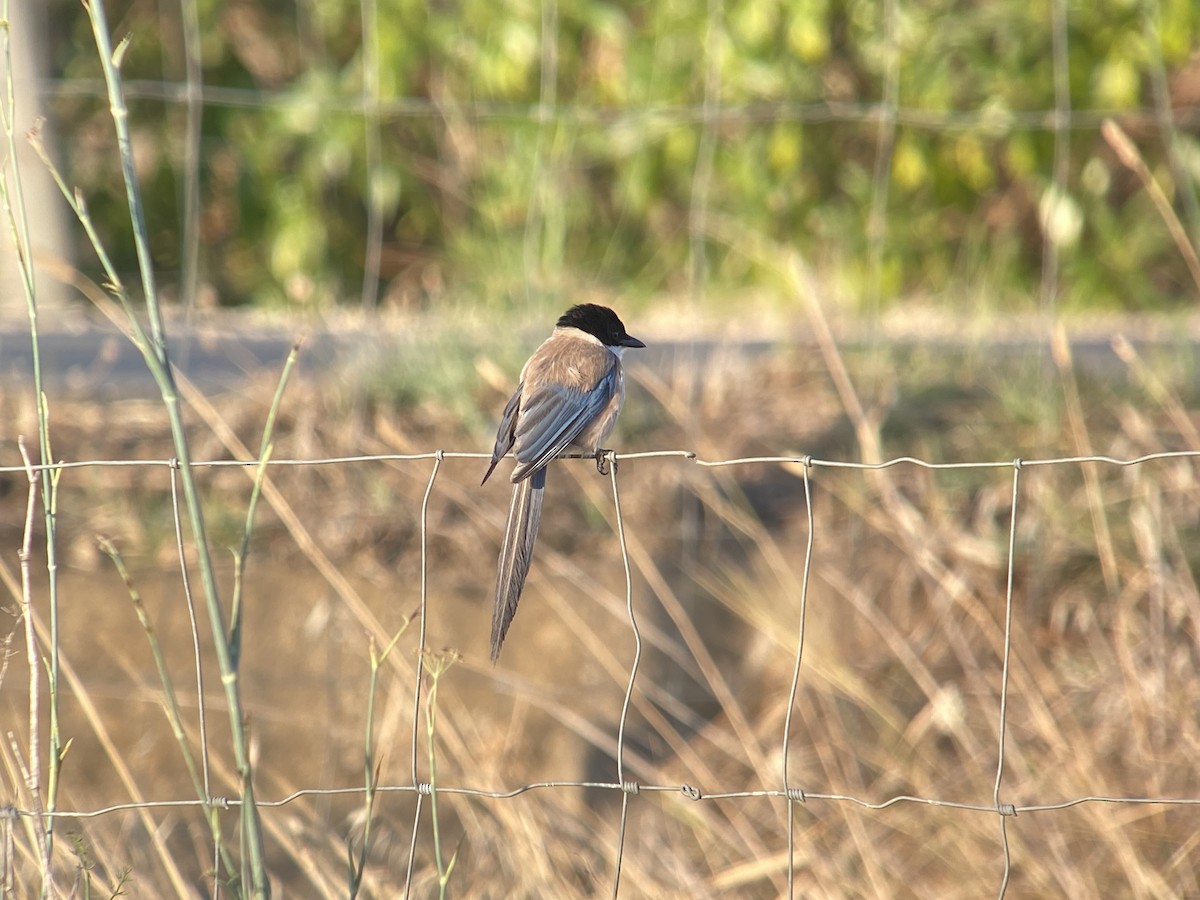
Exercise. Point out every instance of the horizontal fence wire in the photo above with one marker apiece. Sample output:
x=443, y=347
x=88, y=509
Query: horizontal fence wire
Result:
x=688, y=455
x=786, y=790
x=997, y=121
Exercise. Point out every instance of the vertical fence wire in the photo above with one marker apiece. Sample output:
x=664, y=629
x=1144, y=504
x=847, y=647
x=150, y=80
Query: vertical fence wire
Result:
x=369, y=17
x=419, y=787
x=1006, y=810
x=193, y=623
x=627, y=787
x=542, y=190
x=791, y=794
x=197, y=662
x=1058, y=204
x=194, y=105
x=881, y=177
x=702, y=173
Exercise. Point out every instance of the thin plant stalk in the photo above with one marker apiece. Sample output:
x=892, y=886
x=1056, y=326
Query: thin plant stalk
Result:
x=437, y=666
x=170, y=701
x=266, y=445
x=86, y=705
x=1131, y=158
x=154, y=350
x=15, y=211
x=265, y=448
x=1060, y=352
x=33, y=771
x=371, y=767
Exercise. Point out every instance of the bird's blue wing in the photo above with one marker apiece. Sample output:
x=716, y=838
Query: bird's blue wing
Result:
x=506, y=434
x=553, y=416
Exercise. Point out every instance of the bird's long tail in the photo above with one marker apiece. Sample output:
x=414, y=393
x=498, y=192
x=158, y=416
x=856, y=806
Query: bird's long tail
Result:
x=516, y=554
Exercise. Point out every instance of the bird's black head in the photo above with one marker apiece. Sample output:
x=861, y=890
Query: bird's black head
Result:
x=600, y=322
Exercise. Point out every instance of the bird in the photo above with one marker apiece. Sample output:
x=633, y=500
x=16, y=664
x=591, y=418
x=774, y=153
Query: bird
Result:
x=567, y=398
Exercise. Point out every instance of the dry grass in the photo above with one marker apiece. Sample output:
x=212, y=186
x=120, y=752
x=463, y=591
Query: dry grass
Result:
x=899, y=690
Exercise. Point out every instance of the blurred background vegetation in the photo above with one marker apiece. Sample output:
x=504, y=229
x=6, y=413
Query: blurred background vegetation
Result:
x=497, y=152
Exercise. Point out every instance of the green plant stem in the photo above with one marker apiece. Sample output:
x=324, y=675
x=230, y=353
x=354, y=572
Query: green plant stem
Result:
x=171, y=703
x=32, y=772
x=14, y=206
x=371, y=768
x=265, y=448
x=437, y=667
x=155, y=353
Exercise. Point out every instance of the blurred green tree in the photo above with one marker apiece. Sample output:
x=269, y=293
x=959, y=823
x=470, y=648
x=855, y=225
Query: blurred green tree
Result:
x=544, y=148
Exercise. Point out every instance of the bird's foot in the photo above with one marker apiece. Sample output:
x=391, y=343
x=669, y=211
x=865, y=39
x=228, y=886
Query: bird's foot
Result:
x=605, y=458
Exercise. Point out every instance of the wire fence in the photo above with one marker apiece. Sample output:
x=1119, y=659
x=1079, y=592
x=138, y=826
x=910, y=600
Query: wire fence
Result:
x=1047, y=119
x=788, y=789
x=891, y=111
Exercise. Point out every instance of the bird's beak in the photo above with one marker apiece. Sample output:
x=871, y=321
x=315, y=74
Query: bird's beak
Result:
x=630, y=341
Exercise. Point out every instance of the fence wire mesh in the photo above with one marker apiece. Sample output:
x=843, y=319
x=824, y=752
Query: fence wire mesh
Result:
x=788, y=789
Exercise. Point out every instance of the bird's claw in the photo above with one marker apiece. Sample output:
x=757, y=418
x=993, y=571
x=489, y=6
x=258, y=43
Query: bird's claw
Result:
x=602, y=461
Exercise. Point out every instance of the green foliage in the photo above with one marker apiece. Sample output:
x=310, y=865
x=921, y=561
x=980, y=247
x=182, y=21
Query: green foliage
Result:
x=480, y=198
